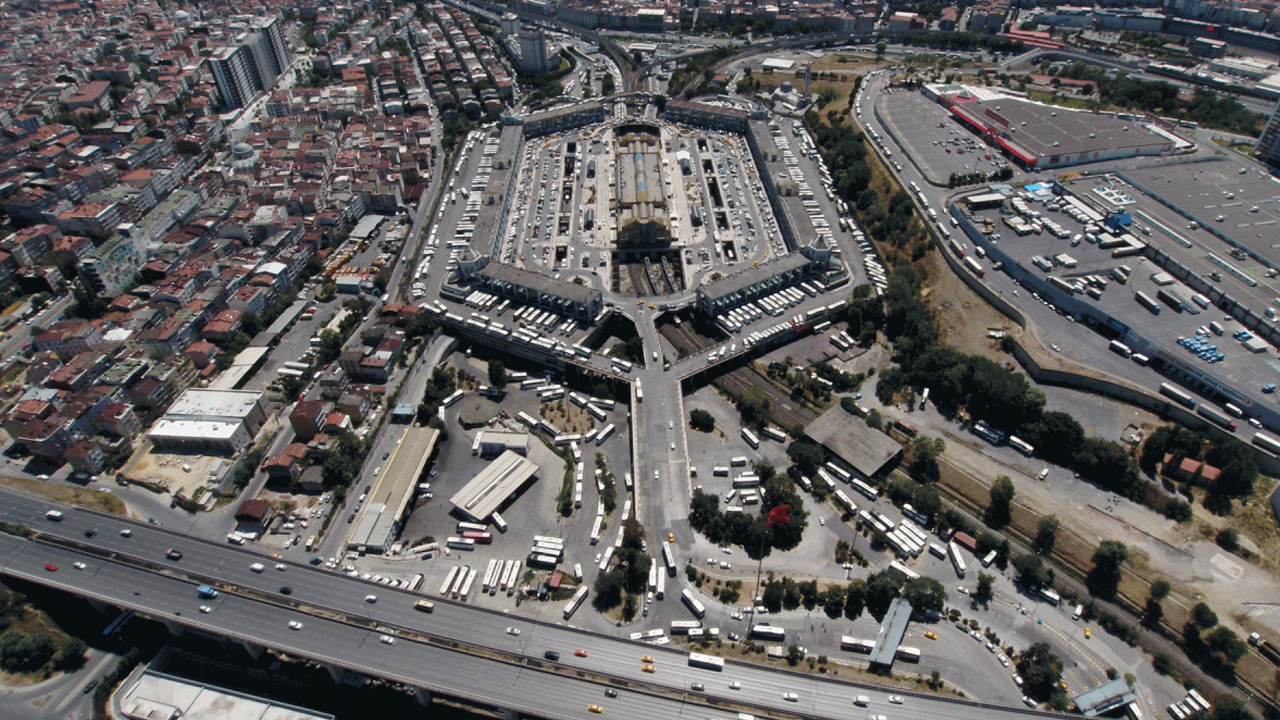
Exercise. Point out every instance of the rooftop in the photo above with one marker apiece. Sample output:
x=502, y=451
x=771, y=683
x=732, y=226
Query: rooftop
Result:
x=867, y=450
x=541, y=283
x=197, y=403
x=743, y=280
x=487, y=491
x=891, y=632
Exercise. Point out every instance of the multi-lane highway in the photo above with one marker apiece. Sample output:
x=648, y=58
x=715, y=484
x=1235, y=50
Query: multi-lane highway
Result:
x=342, y=627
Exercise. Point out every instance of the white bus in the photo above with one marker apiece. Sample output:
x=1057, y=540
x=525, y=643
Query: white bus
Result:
x=707, y=662
x=769, y=632
x=669, y=559
x=693, y=604
x=575, y=602
x=750, y=438
x=958, y=562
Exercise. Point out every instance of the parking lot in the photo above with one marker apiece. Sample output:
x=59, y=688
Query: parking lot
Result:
x=938, y=143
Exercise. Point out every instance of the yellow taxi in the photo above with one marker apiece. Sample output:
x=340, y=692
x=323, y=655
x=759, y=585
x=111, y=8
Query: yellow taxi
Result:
x=595, y=709
x=671, y=537
x=931, y=634
x=646, y=659
x=647, y=668
x=1088, y=633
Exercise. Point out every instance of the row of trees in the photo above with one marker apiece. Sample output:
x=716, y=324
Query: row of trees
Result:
x=872, y=594
x=627, y=577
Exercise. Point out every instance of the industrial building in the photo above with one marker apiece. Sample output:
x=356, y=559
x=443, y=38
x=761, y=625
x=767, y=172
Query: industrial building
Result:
x=387, y=503
x=490, y=443
x=531, y=288
x=155, y=695
x=563, y=118
x=493, y=487
x=727, y=293
x=1269, y=142
x=1041, y=136
x=210, y=421
x=1106, y=699
x=707, y=116
x=866, y=450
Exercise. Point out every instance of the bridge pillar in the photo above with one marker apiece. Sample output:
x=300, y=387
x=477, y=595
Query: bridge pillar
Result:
x=255, y=651
x=423, y=696
x=335, y=672
x=174, y=628
x=99, y=605
x=511, y=715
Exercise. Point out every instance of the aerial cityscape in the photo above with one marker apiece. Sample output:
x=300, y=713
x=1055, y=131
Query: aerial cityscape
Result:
x=564, y=358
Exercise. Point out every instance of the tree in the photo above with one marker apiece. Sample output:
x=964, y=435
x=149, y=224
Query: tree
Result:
x=925, y=594
x=1000, y=509
x=702, y=421
x=1152, y=614
x=833, y=602
x=608, y=590
x=1046, y=535
x=1160, y=589
x=72, y=654
x=1204, y=616
x=1224, y=641
x=1032, y=571
x=754, y=406
x=497, y=374
x=924, y=464
x=1230, y=707
x=882, y=589
x=985, y=591
x=330, y=346
x=1104, y=579
x=855, y=599
x=1228, y=539
x=772, y=597
x=1041, y=671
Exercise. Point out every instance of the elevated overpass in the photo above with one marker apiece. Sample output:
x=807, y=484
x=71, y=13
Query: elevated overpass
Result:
x=458, y=650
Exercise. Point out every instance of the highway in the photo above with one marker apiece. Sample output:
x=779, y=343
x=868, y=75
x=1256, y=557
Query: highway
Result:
x=341, y=628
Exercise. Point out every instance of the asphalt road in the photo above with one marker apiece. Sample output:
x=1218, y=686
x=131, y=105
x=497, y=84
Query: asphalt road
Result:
x=164, y=591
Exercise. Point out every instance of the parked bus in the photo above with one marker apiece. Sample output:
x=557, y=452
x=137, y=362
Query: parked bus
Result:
x=774, y=434
x=769, y=632
x=956, y=560
x=693, y=604
x=669, y=559
x=575, y=602
x=750, y=438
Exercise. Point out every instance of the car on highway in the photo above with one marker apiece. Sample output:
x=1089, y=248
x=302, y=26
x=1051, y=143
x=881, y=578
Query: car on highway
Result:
x=790, y=697
x=610, y=692
x=206, y=609
x=173, y=554
x=698, y=687
x=646, y=659
x=895, y=699
x=580, y=652
x=79, y=565
x=257, y=567
x=671, y=537
x=295, y=625
x=90, y=686
x=90, y=532
x=51, y=567
x=286, y=590
x=386, y=640
x=513, y=631
x=595, y=708
x=281, y=567
x=648, y=668
x=735, y=685
x=371, y=598
x=127, y=532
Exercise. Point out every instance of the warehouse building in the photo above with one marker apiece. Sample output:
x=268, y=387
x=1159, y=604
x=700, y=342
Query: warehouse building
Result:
x=388, y=501
x=720, y=296
x=493, y=487
x=866, y=450
x=210, y=421
x=541, y=291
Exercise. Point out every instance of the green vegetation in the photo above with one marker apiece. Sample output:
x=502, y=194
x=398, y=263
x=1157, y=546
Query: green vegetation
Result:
x=754, y=407
x=31, y=643
x=1162, y=98
x=629, y=573
x=1046, y=535
x=1233, y=458
x=682, y=78
x=749, y=531
x=1104, y=579
x=497, y=374
x=702, y=421
x=1041, y=672
x=631, y=350
x=999, y=510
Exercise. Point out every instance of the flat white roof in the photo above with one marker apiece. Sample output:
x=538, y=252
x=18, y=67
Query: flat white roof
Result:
x=194, y=429
x=200, y=403
x=488, y=490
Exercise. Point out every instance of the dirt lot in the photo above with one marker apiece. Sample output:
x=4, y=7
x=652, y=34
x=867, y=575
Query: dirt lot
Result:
x=963, y=317
x=92, y=499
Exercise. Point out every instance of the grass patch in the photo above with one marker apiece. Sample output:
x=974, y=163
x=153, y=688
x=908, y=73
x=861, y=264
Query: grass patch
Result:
x=84, y=497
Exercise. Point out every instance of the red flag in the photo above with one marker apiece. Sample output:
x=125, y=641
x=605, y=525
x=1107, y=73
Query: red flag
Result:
x=778, y=515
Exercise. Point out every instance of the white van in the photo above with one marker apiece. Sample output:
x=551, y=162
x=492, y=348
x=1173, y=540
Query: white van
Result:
x=257, y=567
x=235, y=539
x=861, y=700
x=55, y=515
x=1079, y=611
